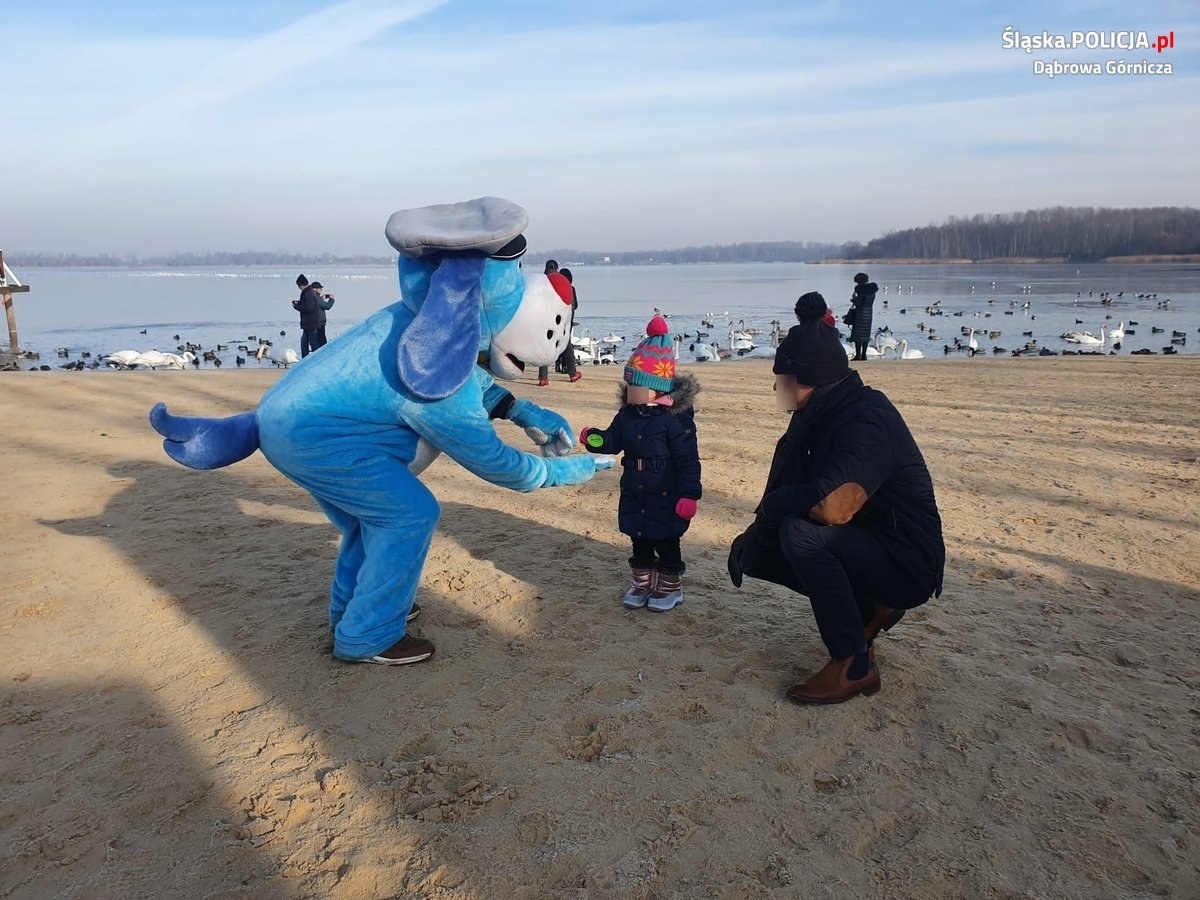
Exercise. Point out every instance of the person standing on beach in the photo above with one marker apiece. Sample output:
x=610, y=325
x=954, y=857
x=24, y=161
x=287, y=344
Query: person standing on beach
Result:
x=312, y=305
x=655, y=428
x=566, y=360
x=848, y=516
x=861, y=314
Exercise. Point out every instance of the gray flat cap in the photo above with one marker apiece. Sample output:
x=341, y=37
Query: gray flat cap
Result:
x=490, y=225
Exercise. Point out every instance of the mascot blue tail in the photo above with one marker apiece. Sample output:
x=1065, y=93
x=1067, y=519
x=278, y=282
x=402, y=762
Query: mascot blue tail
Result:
x=206, y=443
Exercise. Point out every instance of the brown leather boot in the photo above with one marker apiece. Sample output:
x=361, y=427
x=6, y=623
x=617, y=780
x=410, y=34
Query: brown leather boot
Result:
x=833, y=684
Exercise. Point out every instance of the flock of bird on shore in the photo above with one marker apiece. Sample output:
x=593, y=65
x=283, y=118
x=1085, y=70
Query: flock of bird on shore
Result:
x=698, y=344
x=186, y=354
x=741, y=343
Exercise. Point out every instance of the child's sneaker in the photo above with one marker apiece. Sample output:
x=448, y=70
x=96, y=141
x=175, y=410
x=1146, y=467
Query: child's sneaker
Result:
x=667, y=593
x=639, y=592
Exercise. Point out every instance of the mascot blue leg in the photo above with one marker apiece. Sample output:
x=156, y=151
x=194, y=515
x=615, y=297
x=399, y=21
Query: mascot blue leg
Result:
x=200, y=443
x=351, y=555
x=383, y=550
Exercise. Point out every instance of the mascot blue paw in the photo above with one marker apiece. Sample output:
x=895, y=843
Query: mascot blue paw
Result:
x=200, y=443
x=562, y=470
x=550, y=431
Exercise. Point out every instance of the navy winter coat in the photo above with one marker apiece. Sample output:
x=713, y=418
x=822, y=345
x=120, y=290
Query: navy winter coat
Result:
x=660, y=460
x=850, y=458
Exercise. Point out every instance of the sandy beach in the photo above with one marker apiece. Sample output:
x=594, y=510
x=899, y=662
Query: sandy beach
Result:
x=174, y=724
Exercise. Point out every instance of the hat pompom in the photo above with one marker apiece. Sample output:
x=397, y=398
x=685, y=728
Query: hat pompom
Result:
x=810, y=307
x=658, y=327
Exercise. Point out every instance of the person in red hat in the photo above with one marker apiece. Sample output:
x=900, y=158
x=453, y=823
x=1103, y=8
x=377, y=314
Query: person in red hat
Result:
x=565, y=363
x=660, y=486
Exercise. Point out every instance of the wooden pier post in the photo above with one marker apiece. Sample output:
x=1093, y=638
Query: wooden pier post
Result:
x=9, y=285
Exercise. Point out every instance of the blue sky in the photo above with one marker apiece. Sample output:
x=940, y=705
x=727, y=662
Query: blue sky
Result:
x=152, y=126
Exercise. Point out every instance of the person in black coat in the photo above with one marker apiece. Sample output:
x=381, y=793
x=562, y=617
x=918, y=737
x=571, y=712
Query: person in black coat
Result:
x=312, y=305
x=848, y=516
x=655, y=429
x=862, y=310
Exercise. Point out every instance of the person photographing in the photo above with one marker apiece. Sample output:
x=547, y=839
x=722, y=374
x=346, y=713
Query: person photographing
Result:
x=313, y=304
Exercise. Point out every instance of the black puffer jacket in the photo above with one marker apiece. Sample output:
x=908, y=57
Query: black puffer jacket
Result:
x=660, y=459
x=849, y=458
x=864, y=308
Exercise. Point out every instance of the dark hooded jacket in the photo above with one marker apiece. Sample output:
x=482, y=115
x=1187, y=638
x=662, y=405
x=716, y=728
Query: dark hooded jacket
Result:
x=848, y=457
x=312, y=308
x=864, y=308
x=660, y=459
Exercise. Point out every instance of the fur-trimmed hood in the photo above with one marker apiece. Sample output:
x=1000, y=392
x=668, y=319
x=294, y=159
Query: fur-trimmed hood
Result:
x=686, y=389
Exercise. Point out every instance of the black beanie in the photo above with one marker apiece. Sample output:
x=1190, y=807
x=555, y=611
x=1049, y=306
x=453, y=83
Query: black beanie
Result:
x=812, y=350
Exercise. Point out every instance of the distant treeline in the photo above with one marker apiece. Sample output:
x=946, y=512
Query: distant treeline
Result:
x=753, y=251
x=1078, y=234
x=184, y=260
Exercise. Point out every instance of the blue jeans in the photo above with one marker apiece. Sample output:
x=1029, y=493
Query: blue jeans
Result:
x=843, y=570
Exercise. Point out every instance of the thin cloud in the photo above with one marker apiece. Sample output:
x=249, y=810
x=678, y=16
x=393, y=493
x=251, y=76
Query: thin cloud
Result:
x=258, y=62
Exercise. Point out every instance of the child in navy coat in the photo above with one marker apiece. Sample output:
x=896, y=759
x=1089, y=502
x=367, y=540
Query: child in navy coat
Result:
x=655, y=429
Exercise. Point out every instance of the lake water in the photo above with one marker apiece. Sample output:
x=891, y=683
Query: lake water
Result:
x=105, y=310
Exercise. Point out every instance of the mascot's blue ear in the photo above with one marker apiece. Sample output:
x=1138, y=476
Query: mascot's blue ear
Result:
x=438, y=350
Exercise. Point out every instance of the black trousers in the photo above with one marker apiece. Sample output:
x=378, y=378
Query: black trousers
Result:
x=670, y=557
x=843, y=570
x=311, y=339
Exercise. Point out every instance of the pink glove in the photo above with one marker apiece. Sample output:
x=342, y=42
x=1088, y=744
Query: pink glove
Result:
x=685, y=507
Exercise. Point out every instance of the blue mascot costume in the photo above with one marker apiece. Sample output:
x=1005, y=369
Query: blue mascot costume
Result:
x=355, y=423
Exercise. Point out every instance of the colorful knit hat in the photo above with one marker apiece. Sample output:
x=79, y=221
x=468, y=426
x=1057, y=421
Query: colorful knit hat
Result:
x=652, y=364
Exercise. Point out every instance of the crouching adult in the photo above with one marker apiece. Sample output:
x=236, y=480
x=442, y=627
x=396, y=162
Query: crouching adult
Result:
x=848, y=517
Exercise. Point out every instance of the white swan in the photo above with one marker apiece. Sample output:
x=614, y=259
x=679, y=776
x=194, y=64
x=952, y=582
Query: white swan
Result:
x=586, y=341
x=279, y=356
x=1117, y=334
x=740, y=343
x=872, y=352
x=1088, y=339
x=176, y=360
x=122, y=359
x=759, y=352
x=902, y=351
